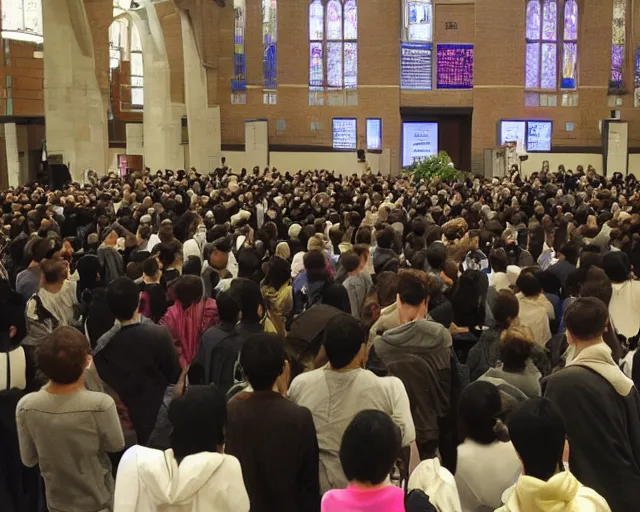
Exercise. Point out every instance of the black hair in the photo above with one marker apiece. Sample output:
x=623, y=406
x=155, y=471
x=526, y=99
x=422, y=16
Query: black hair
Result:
x=616, y=265
x=247, y=294
x=337, y=296
x=228, y=307
x=505, y=307
x=279, y=273
x=411, y=289
x=498, y=260
x=479, y=408
x=262, y=360
x=570, y=251
x=123, y=298
x=528, y=284
x=198, y=419
x=188, y=290
x=344, y=337
x=248, y=263
x=436, y=256
x=538, y=434
x=359, y=461
x=150, y=267
x=586, y=318
x=385, y=238
x=314, y=264
x=350, y=261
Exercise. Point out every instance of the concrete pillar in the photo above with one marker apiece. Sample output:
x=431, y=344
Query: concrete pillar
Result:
x=75, y=116
x=13, y=160
x=203, y=121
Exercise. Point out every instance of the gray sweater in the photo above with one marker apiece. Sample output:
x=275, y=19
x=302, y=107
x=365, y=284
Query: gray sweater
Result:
x=69, y=437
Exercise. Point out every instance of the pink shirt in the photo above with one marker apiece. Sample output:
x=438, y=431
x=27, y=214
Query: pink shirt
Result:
x=354, y=499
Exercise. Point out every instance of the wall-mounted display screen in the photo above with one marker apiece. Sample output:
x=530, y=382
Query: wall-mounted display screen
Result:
x=374, y=134
x=419, y=141
x=416, y=66
x=534, y=134
x=539, y=136
x=513, y=131
x=345, y=133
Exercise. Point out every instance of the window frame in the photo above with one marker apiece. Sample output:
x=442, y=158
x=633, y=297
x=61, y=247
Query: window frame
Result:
x=22, y=33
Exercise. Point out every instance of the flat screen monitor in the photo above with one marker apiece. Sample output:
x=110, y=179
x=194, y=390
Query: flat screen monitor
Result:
x=512, y=131
x=374, y=134
x=419, y=141
x=345, y=133
x=539, y=136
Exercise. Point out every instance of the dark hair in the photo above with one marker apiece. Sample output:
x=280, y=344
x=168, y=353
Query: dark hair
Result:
x=586, y=318
x=150, y=267
x=198, y=418
x=350, y=261
x=247, y=294
x=597, y=284
x=53, y=271
x=39, y=249
x=616, y=265
x=436, y=256
x=314, y=264
x=528, y=284
x=385, y=238
x=262, y=360
x=228, y=307
x=123, y=298
x=279, y=273
x=192, y=266
x=359, y=461
x=387, y=284
x=337, y=296
x=498, y=260
x=343, y=339
x=538, y=434
x=478, y=409
x=505, y=307
x=570, y=251
x=411, y=289
x=188, y=290
x=515, y=349
x=248, y=263
x=62, y=355
x=363, y=235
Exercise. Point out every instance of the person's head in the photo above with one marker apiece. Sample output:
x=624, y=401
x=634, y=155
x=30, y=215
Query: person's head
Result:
x=528, y=284
x=123, y=299
x=360, y=462
x=228, y=307
x=345, y=342
x=570, y=252
x=538, y=434
x=505, y=308
x=63, y=356
x=616, y=265
x=515, y=347
x=54, y=274
x=188, y=290
x=249, y=263
x=111, y=237
x=412, y=297
x=387, y=284
x=151, y=270
x=385, y=238
x=498, y=260
x=351, y=262
x=363, y=253
x=478, y=412
x=198, y=418
x=217, y=253
x=247, y=294
x=585, y=318
x=39, y=248
x=165, y=233
x=263, y=362
x=314, y=265
x=279, y=273
x=436, y=256
x=192, y=266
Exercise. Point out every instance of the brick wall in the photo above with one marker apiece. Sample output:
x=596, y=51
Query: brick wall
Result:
x=21, y=80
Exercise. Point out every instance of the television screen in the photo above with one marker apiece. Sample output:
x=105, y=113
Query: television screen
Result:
x=345, y=133
x=512, y=131
x=419, y=141
x=374, y=134
x=539, y=136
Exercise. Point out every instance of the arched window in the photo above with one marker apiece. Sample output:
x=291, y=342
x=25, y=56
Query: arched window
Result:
x=269, y=41
x=333, y=35
x=22, y=20
x=618, y=40
x=137, y=70
x=546, y=23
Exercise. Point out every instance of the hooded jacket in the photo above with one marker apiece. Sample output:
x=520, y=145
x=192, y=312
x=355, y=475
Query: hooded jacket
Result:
x=561, y=493
x=385, y=260
x=419, y=353
x=151, y=480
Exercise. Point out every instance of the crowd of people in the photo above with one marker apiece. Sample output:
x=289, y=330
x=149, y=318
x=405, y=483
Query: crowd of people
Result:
x=306, y=342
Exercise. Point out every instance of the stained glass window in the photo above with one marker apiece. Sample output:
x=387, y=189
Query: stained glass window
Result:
x=418, y=20
x=269, y=40
x=570, y=45
x=636, y=95
x=333, y=47
x=239, y=81
x=137, y=69
x=455, y=66
x=22, y=20
x=618, y=39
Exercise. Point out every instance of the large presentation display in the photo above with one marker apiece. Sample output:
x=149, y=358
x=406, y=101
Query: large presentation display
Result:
x=419, y=141
x=345, y=133
x=513, y=131
x=534, y=134
x=539, y=136
x=416, y=72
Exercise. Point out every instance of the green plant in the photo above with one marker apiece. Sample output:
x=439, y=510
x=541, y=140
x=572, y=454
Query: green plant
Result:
x=439, y=165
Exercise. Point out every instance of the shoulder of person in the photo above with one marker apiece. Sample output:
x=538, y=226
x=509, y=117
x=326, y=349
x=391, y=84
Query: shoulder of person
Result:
x=98, y=400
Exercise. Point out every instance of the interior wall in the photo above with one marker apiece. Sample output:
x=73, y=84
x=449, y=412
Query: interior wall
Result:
x=570, y=161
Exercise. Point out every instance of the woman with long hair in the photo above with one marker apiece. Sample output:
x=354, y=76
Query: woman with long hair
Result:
x=277, y=294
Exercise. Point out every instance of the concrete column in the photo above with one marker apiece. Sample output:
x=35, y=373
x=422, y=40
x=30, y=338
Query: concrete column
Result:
x=76, y=119
x=13, y=160
x=203, y=121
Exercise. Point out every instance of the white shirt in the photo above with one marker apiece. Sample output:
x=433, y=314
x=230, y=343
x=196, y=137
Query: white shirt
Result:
x=484, y=472
x=334, y=398
x=624, y=307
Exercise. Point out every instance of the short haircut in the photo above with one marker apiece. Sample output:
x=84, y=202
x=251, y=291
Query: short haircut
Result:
x=314, y=265
x=387, y=284
x=123, y=298
x=343, y=339
x=350, y=261
x=538, y=434
x=478, y=410
x=498, y=260
x=188, y=290
x=528, y=284
x=359, y=461
x=62, y=355
x=385, y=238
x=616, y=265
x=39, y=249
x=505, y=307
x=363, y=235
x=586, y=318
x=361, y=250
x=248, y=262
x=570, y=251
x=150, y=267
x=198, y=418
x=247, y=294
x=411, y=289
x=515, y=347
x=598, y=285
x=228, y=307
x=53, y=271
x=262, y=360
x=436, y=256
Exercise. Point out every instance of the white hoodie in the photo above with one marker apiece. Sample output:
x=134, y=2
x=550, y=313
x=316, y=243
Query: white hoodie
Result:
x=561, y=493
x=151, y=480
